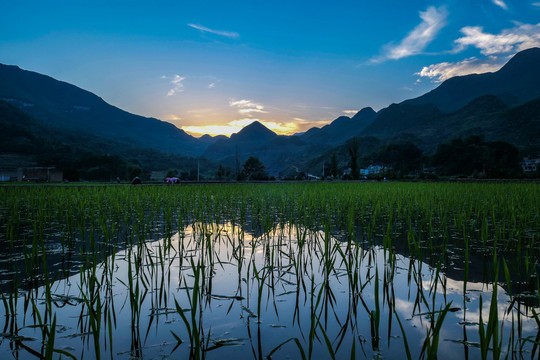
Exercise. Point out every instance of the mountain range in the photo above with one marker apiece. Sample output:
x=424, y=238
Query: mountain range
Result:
x=501, y=106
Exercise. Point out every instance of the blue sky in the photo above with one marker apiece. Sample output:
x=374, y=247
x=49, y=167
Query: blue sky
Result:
x=215, y=66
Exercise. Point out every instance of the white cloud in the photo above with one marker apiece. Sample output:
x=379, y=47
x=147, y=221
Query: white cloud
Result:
x=350, y=112
x=228, y=34
x=212, y=85
x=445, y=70
x=177, y=85
x=501, y=4
x=509, y=41
x=247, y=106
x=433, y=20
x=497, y=47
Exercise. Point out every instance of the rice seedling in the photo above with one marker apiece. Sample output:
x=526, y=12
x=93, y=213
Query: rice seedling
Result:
x=307, y=269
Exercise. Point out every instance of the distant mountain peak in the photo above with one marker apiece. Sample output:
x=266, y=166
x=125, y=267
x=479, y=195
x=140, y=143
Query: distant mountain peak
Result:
x=254, y=131
x=523, y=60
x=366, y=112
x=484, y=104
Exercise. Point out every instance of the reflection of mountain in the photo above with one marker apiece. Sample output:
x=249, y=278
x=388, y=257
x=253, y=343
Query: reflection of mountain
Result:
x=481, y=265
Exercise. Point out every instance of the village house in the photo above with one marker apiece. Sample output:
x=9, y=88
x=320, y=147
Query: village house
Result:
x=530, y=164
x=372, y=170
x=40, y=174
x=8, y=175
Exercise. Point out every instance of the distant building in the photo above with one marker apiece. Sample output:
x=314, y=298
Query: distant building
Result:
x=372, y=170
x=530, y=164
x=8, y=175
x=40, y=174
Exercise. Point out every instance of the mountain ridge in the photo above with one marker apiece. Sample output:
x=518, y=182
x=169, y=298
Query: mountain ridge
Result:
x=67, y=106
x=493, y=104
x=510, y=83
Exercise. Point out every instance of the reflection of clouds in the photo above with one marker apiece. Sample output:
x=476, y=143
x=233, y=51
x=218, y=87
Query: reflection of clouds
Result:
x=404, y=307
x=503, y=301
x=474, y=291
x=226, y=280
x=249, y=248
x=456, y=286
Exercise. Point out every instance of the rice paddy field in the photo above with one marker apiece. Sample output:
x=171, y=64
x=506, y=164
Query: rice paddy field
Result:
x=280, y=271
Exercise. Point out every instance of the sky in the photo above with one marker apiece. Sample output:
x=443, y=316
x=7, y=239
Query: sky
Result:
x=216, y=66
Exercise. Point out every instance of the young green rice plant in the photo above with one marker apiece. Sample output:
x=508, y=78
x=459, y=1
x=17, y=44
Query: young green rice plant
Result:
x=314, y=318
x=404, y=336
x=375, y=315
x=490, y=333
x=431, y=343
x=430, y=217
x=193, y=323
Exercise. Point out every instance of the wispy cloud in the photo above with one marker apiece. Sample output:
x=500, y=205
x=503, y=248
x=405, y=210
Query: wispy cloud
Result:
x=536, y=4
x=247, y=106
x=521, y=37
x=176, y=81
x=350, y=112
x=501, y=4
x=445, y=70
x=433, y=20
x=173, y=117
x=212, y=85
x=229, y=34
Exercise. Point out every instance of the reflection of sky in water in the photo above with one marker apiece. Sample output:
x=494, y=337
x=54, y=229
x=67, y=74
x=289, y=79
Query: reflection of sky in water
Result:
x=281, y=316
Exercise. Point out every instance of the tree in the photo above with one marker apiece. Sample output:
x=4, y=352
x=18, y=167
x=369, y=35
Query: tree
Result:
x=133, y=170
x=223, y=173
x=474, y=156
x=334, y=167
x=502, y=160
x=403, y=157
x=254, y=169
x=353, y=152
x=171, y=173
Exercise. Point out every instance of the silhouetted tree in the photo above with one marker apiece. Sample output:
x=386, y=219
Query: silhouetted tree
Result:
x=223, y=173
x=254, y=169
x=334, y=168
x=172, y=173
x=353, y=152
x=133, y=170
x=403, y=157
x=474, y=156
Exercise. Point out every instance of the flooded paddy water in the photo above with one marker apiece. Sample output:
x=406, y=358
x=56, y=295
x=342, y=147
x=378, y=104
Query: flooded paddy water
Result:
x=311, y=271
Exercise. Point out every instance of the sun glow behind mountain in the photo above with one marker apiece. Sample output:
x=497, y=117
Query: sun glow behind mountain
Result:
x=280, y=128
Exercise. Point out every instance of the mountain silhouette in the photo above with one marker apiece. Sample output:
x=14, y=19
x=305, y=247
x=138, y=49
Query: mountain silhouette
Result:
x=254, y=132
x=341, y=129
x=515, y=83
x=501, y=106
x=65, y=106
